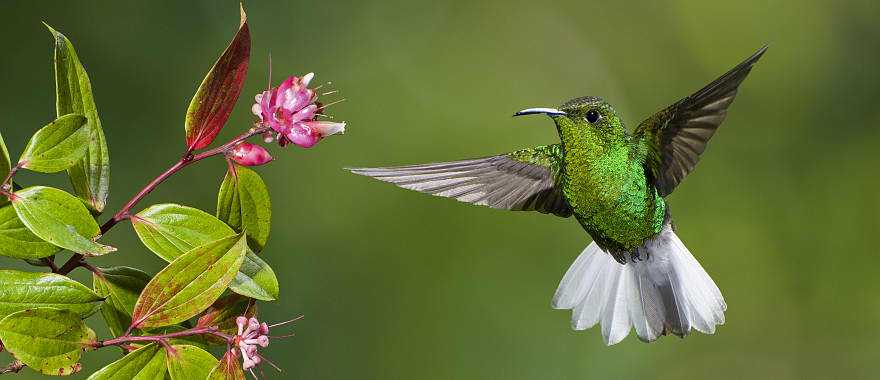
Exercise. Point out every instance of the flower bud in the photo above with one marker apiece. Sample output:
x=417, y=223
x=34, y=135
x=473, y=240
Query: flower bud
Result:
x=247, y=154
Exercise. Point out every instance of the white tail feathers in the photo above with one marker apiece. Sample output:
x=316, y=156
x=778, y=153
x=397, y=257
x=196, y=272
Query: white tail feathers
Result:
x=667, y=291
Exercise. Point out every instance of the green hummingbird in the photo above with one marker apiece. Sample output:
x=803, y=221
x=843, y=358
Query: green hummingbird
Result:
x=636, y=273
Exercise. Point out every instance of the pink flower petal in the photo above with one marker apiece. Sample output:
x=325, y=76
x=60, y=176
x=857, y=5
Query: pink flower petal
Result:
x=302, y=138
x=306, y=79
x=326, y=128
x=290, y=110
x=307, y=113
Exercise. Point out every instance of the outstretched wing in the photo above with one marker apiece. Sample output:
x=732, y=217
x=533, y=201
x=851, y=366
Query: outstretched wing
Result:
x=675, y=137
x=521, y=180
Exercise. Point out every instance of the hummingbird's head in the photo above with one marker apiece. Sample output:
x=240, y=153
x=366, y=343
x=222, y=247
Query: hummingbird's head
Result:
x=586, y=116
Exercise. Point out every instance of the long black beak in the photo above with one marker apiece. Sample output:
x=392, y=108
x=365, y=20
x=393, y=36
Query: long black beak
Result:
x=545, y=111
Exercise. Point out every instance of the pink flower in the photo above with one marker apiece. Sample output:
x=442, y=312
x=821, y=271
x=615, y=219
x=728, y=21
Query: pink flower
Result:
x=251, y=333
x=251, y=336
x=248, y=154
x=291, y=110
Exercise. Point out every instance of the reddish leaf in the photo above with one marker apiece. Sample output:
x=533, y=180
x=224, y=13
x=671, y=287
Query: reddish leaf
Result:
x=216, y=96
x=190, y=284
x=223, y=313
x=228, y=368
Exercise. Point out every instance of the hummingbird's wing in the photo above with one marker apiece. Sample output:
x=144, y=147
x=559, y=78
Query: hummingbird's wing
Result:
x=520, y=180
x=675, y=137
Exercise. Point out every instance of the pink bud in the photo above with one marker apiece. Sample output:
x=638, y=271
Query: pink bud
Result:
x=248, y=154
x=326, y=128
x=250, y=350
x=306, y=79
x=261, y=341
x=240, y=321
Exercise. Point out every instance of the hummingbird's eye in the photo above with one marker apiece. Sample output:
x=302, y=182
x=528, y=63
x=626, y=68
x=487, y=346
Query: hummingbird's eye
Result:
x=593, y=116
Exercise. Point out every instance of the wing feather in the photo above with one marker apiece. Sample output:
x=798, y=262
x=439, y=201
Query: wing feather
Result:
x=522, y=180
x=676, y=136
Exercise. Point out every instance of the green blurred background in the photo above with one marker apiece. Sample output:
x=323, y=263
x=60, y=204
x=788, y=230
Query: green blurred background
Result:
x=400, y=285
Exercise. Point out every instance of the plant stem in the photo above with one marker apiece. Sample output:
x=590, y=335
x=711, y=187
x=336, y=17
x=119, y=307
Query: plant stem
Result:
x=50, y=262
x=13, y=367
x=125, y=212
x=6, y=185
x=186, y=160
x=71, y=264
x=209, y=330
x=12, y=171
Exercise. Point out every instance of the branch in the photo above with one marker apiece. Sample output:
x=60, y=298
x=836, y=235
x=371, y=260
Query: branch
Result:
x=185, y=161
x=125, y=212
x=13, y=367
x=50, y=262
x=7, y=182
x=162, y=339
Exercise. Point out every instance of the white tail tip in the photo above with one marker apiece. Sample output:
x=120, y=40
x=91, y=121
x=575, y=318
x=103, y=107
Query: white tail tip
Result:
x=661, y=290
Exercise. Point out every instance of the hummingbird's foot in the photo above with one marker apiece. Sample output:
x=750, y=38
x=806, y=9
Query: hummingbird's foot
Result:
x=636, y=255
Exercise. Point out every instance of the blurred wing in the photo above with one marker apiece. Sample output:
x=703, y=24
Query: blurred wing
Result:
x=676, y=136
x=521, y=180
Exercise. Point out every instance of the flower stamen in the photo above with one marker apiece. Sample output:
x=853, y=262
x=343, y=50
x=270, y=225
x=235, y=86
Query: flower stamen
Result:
x=287, y=321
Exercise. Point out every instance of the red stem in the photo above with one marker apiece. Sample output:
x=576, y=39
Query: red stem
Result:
x=6, y=185
x=209, y=330
x=125, y=212
x=12, y=171
x=50, y=262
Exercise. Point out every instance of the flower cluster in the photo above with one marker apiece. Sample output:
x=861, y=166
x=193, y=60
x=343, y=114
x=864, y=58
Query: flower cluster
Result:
x=251, y=333
x=291, y=110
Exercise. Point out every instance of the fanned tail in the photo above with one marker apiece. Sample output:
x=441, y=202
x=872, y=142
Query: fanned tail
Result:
x=661, y=290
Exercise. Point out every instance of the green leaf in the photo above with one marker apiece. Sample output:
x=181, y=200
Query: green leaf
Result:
x=145, y=363
x=19, y=242
x=73, y=94
x=121, y=286
x=59, y=218
x=228, y=368
x=57, y=146
x=26, y=290
x=169, y=230
x=48, y=340
x=5, y=163
x=243, y=203
x=190, y=284
x=210, y=107
x=255, y=279
x=190, y=362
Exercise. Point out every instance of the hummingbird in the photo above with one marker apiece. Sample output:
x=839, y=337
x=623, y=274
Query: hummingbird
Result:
x=636, y=273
